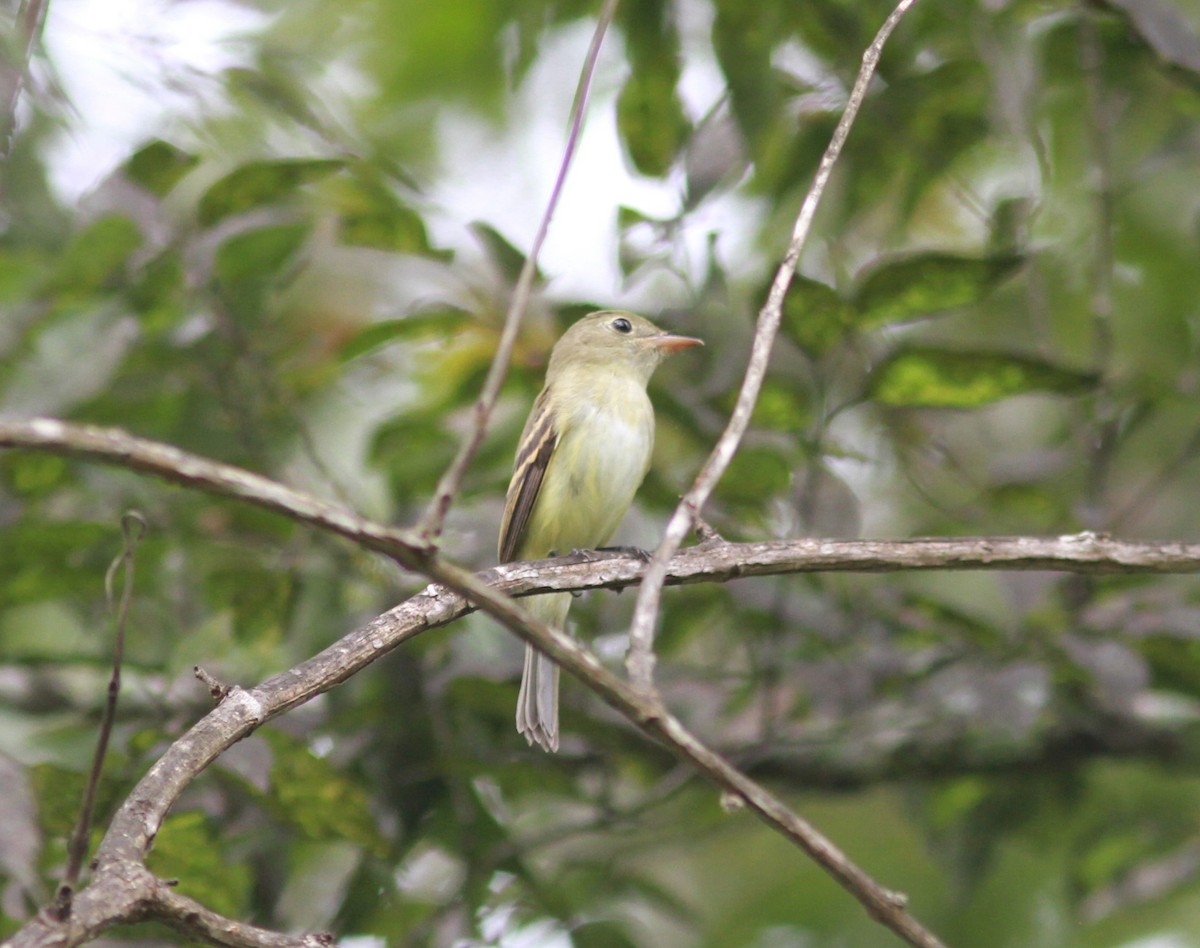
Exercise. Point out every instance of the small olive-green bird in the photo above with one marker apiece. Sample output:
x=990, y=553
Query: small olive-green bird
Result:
x=583, y=454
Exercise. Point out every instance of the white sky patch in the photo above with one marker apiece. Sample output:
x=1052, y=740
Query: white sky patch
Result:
x=505, y=177
x=128, y=67
x=134, y=70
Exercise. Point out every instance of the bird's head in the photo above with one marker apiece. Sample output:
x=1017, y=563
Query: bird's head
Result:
x=617, y=341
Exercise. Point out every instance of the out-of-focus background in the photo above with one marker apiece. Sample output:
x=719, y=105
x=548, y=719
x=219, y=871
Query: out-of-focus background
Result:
x=284, y=234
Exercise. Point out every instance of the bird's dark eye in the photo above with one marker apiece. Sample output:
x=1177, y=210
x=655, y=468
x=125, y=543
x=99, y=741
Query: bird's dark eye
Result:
x=621, y=324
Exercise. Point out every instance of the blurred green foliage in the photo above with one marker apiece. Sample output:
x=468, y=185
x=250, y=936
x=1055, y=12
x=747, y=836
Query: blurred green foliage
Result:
x=993, y=330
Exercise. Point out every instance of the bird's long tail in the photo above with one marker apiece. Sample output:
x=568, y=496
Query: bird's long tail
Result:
x=537, y=702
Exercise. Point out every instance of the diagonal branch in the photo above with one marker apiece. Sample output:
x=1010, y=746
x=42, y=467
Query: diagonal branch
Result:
x=139, y=818
x=119, y=448
x=129, y=892
x=431, y=524
x=711, y=561
x=134, y=527
x=640, y=662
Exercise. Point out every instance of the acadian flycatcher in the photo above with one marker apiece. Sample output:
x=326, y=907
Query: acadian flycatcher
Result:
x=583, y=454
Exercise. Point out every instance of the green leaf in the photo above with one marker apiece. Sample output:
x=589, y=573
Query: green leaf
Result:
x=20, y=271
x=315, y=798
x=628, y=217
x=372, y=216
x=941, y=378
x=434, y=322
x=260, y=183
x=252, y=260
x=159, y=296
x=917, y=287
x=46, y=631
x=59, y=793
x=503, y=254
x=159, y=166
x=33, y=475
x=413, y=451
x=815, y=316
x=41, y=559
x=257, y=598
x=442, y=52
x=744, y=39
x=1174, y=662
x=96, y=258
x=602, y=933
x=780, y=406
x=1027, y=507
x=755, y=475
x=650, y=117
x=651, y=121
x=188, y=848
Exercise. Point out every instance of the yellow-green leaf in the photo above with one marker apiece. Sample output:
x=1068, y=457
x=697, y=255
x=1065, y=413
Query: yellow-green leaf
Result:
x=188, y=848
x=940, y=378
x=893, y=291
x=315, y=798
x=258, y=256
x=97, y=257
x=159, y=166
x=815, y=317
x=260, y=183
x=502, y=253
x=443, y=321
x=754, y=476
x=372, y=216
x=651, y=121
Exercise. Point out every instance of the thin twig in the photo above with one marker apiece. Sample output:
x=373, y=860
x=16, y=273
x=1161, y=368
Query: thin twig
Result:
x=1103, y=425
x=200, y=922
x=217, y=690
x=133, y=528
x=430, y=526
x=640, y=661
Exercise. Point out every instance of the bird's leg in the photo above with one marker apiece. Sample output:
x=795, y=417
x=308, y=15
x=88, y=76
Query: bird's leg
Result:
x=553, y=554
x=644, y=555
x=590, y=556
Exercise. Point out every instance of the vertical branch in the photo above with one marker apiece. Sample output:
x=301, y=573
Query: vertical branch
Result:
x=1103, y=427
x=1099, y=125
x=133, y=527
x=30, y=20
x=431, y=524
x=640, y=661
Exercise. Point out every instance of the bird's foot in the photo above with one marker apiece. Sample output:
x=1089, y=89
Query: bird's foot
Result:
x=644, y=555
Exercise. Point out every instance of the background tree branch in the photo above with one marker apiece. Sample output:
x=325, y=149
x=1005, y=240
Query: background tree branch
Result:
x=243, y=711
x=707, y=562
x=308, y=278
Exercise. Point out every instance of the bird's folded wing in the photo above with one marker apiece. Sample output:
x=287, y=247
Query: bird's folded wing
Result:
x=533, y=457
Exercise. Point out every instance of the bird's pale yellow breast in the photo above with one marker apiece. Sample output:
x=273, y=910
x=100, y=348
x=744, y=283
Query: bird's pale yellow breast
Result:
x=601, y=458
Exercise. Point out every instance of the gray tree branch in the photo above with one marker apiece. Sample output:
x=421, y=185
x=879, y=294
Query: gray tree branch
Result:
x=457, y=590
x=640, y=662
